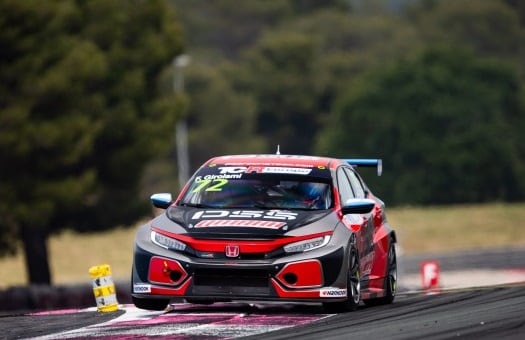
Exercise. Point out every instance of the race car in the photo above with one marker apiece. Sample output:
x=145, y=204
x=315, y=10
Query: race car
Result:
x=268, y=228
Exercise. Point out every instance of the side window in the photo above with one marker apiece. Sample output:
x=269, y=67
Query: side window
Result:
x=345, y=188
x=356, y=184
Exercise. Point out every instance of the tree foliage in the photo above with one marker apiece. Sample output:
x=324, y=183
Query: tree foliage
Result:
x=295, y=70
x=447, y=124
x=87, y=100
x=312, y=55
x=221, y=119
x=489, y=27
x=287, y=88
x=438, y=119
x=80, y=114
x=222, y=28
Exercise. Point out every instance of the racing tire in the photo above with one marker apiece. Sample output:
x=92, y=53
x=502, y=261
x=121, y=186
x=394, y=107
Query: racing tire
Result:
x=150, y=304
x=353, y=286
x=390, y=280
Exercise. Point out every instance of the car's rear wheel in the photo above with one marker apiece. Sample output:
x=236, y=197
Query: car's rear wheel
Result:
x=390, y=280
x=150, y=304
x=353, y=286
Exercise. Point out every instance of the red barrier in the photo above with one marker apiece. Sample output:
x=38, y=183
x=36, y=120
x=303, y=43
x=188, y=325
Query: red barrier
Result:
x=430, y=276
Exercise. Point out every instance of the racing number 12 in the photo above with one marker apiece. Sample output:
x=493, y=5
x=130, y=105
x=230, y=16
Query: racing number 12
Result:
x=217, y=185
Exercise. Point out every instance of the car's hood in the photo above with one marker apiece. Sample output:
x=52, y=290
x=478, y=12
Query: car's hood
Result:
x=241, y=223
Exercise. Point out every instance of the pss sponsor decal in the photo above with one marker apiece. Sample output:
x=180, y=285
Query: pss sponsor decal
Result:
x=141, y=288
x=245, y=214
x=332, y=293
x=240, y=223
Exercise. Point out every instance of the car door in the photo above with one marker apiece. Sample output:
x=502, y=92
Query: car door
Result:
x=351, y=187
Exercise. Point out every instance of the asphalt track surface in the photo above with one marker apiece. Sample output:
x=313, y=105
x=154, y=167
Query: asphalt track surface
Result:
x=494, y=312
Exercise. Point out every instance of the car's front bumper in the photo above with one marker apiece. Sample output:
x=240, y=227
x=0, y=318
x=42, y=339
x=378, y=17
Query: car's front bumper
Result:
x=313, y=276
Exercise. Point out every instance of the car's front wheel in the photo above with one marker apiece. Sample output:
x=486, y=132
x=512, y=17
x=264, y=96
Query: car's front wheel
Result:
x=353, y=286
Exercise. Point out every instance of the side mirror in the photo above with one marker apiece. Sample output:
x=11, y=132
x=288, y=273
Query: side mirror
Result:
x=161, y=201
x=358, y=206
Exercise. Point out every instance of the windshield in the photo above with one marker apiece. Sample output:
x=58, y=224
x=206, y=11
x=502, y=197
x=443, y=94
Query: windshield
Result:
x=265, y=191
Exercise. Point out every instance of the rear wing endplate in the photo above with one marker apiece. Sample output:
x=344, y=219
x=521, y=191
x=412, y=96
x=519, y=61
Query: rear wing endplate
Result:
x=366, y=162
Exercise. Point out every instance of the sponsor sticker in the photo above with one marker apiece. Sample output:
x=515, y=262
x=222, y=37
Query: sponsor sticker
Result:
x=271, y=214
x=232, y=169
x=236, y=172
x=240, y=223
x=332, y=292
x=283, y=170
x=353, y=219
x=141, y=288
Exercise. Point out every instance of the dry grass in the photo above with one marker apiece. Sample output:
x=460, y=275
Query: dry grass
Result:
x=459, y=227
x=419, y=230
x=72, y=254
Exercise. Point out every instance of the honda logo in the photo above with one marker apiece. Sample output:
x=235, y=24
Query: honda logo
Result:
x=232, y=250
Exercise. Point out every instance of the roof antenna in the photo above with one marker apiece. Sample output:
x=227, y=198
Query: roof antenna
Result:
x=278, y=150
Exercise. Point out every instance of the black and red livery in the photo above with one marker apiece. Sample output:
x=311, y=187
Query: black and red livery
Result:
x=268, y=228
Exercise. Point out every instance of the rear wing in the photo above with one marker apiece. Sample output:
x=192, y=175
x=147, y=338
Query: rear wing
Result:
x=366, y=162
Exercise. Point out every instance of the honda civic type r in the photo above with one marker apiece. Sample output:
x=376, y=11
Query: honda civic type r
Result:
x=268, y=228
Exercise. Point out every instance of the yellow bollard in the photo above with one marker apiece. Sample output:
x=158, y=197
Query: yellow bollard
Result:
x=104, y=288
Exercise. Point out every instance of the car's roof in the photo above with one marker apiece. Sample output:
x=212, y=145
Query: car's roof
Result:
x=276, y=160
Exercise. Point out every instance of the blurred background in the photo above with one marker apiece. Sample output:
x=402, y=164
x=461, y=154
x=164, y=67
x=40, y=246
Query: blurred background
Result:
x=103, y=103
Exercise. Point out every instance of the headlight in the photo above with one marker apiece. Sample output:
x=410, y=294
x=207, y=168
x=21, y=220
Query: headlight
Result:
x=167, y=242
x=307, y=245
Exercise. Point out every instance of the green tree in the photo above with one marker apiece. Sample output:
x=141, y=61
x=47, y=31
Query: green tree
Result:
x=489, y=27
x=221, y=120
x=81, y=112
x=290, y=57
x=282, y=74
x=362, y=42
x=447, y=124
x=220, y=29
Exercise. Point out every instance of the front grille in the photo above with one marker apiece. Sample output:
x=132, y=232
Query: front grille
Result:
x=231, y=282
x=242, y=256
x=231, y=277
